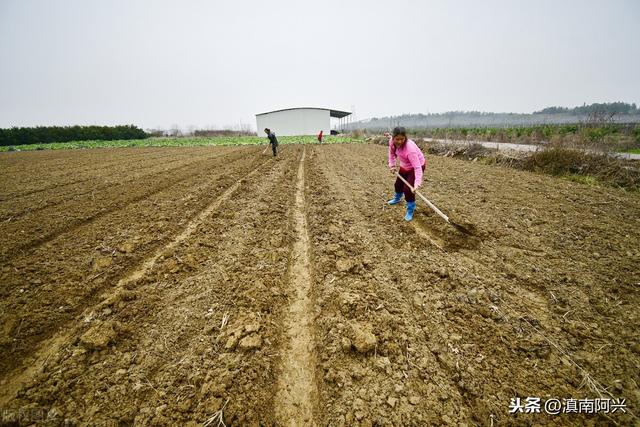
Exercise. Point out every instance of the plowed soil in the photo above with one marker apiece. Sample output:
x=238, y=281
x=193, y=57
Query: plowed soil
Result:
x=190, y=286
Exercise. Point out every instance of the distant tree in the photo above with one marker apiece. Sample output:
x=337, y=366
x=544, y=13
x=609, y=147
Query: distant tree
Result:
x=552, y=110
x=174, y=131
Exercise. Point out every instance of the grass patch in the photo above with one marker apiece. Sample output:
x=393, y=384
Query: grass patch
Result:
x=583, y=179
x=180, y=142
x=633, y=151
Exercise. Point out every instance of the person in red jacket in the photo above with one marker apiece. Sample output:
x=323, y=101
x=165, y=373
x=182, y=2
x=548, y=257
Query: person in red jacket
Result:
x=320, y=137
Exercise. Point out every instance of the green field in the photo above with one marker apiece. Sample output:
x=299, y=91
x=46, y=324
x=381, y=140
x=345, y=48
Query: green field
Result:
x=179, y=142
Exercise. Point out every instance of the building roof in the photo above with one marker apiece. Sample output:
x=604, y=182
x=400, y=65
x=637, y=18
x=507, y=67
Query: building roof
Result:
x=332, y=113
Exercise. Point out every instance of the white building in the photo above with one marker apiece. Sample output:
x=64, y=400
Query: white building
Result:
x=301, y=121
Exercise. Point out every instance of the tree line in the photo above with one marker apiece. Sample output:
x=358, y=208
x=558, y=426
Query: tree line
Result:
x=606, y=108
x=49, y=134
x=614, y=112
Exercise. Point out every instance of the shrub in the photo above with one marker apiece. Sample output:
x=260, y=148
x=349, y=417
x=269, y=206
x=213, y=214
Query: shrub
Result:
x=49, y=134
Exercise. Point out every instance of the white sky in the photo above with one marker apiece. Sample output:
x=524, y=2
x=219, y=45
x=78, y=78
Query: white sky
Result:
x=157, y=63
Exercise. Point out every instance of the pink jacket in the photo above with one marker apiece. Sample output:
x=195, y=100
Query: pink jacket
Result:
x=410, y=158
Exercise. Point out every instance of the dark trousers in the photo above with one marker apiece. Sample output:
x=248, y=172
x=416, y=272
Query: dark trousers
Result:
x=274, y=147
x=401, y=187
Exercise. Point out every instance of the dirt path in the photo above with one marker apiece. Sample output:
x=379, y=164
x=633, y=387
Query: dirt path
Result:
x=255, y=291
x=297, y=393
x=521, y=147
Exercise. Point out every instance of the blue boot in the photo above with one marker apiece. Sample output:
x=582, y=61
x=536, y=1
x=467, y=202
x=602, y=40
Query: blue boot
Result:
x=395, y=200
x=411, y=207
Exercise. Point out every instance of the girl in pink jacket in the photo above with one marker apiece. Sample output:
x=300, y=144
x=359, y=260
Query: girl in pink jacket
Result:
x=412, y=166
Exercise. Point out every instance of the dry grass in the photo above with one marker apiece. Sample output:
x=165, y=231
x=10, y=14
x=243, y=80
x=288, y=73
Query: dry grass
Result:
x=605, y=169
x=217, y=418
x=587, y=167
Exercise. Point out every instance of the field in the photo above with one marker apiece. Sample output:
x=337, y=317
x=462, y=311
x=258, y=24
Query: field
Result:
x=177, y=142
x=191, y=285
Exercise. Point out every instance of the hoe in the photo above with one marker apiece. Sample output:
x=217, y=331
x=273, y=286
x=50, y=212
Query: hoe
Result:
x=435, y=209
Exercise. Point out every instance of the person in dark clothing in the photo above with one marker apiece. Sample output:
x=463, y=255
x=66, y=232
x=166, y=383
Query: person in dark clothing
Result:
x=272, y=140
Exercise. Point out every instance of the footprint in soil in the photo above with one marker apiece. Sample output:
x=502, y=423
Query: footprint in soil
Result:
x=449, y=237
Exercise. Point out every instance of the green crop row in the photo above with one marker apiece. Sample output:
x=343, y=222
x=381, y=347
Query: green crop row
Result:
x=179, y=142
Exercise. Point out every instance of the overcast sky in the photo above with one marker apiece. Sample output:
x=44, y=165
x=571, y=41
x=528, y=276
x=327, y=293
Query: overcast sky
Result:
x=217, y=63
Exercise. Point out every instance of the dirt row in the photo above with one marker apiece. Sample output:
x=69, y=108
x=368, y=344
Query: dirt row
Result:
x=204, y=300
x=201, y=326
x=53, y=190
x=18, y=177
x=97, y=243
x=454, y=314
x=61, y=211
